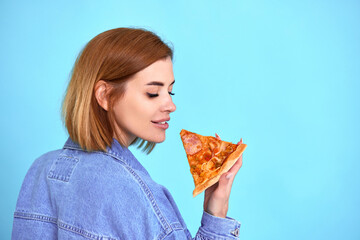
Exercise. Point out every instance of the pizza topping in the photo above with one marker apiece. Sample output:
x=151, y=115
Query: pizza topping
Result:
x=217, y=161
x=207, y=155
x=212, y=145
x=197, y=169
x=207, y=165
x=192, y=143
x=216, y=151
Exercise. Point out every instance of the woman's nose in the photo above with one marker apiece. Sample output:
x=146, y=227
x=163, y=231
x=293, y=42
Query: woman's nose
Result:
x=169, y=106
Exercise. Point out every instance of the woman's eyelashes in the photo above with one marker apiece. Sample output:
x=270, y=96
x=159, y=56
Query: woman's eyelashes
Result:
x=152, y=95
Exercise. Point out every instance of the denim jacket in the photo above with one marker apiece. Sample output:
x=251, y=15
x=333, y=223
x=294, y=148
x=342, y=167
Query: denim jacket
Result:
x=74, y=194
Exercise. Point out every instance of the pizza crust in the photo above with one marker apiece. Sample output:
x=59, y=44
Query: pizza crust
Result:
x=230, y=161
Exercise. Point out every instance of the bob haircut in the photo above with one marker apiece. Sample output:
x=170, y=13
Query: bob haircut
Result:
x=113, y=56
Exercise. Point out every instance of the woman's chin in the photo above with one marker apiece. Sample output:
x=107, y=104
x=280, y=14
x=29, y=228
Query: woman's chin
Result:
x=157, y=139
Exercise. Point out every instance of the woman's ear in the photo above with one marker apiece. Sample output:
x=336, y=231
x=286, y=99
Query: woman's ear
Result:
x=101, y=91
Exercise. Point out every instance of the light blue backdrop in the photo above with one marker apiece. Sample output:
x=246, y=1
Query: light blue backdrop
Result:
x=283, y=75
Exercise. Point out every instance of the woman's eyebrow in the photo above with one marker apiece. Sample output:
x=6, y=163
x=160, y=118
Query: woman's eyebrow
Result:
x=159, y=83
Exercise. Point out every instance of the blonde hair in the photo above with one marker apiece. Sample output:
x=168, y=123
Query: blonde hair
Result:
x=113, y=56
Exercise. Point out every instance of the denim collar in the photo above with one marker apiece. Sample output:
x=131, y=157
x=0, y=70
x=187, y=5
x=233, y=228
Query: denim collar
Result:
x=116, y=150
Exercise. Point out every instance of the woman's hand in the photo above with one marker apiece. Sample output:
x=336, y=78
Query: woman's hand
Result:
x=216, y=201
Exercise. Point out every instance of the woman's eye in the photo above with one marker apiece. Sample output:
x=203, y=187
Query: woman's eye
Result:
x=151, y=95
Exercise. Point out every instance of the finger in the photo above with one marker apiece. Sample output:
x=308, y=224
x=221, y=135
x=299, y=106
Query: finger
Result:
x=235, y=168
x=240, y=142
x=217, y=136
x=226, y=179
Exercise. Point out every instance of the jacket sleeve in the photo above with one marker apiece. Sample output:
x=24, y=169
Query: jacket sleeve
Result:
x=218, y=228
x=213, y=228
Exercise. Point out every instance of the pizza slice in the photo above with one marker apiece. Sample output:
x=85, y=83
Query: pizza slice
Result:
x=208, y=158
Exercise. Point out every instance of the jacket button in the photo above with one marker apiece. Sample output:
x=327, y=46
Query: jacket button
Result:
x=235, y=232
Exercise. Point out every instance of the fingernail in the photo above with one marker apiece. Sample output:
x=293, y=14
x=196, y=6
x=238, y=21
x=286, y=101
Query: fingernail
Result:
x=229, y=175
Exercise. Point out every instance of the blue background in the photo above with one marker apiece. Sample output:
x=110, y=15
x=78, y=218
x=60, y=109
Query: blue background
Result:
x=283, y=75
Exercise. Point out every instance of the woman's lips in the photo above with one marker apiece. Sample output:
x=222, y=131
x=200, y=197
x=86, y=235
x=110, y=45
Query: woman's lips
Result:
x=162, y=125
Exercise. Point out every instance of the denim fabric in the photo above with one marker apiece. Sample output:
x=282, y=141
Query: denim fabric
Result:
x=73, y=194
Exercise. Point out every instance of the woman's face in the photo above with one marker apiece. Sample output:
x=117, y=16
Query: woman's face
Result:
x=145, y=108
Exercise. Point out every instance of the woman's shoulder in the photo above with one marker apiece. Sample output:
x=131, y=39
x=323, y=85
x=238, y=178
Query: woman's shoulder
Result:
x=72, y=171
x=75, y=187
x=106, y=188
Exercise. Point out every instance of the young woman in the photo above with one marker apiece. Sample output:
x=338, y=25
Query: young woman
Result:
x=120, y=94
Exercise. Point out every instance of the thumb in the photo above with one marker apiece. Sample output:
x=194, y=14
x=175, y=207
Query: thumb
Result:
x=226, y=179
x=229, y=175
